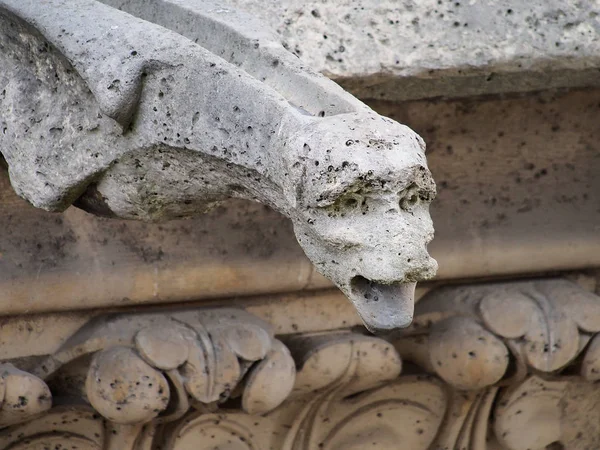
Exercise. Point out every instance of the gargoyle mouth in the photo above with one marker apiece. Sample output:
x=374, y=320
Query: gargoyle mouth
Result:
x=383, y=306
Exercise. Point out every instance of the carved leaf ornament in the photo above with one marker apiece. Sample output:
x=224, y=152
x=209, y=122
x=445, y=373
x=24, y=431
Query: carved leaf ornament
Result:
x=347, y=396
x=469, y=335
x=22, y=396
x=143, y=363
x=518, y=355
x=218, y=379
x=147, y=370
x=170, y=380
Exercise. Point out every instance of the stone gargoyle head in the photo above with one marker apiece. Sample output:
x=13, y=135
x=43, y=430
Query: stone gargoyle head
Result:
x=160, y=112
x=361, y=192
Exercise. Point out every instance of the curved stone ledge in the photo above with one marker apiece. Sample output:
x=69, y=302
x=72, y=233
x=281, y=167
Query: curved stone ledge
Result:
x=410, y=50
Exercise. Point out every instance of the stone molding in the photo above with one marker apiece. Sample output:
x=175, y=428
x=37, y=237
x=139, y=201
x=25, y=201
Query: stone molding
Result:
x=506, y=366
x=397, y=52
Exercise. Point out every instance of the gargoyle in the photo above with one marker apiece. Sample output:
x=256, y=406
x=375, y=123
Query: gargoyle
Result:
x=160, y=109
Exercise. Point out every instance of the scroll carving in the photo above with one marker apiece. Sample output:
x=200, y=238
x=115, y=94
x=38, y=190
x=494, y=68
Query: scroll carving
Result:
x=347, y=396
x=218, y=378
x=512, y=354
x=170, y=124
x=140, y=371
x=466, y=334
x=144, y=363
x=63, y=427
x=22, y=396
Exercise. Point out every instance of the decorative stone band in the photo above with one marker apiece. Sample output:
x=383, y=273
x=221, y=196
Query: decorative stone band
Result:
x=217, y=378
x=477, y=336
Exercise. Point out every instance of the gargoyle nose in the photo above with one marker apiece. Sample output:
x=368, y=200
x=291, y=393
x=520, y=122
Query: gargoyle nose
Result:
x=383, y=307
x=421, y=268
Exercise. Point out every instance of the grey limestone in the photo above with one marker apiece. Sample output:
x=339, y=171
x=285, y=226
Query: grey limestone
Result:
x=407, y=49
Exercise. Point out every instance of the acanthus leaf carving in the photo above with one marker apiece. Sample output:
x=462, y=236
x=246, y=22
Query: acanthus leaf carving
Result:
x=468, y=332
x=483, y=362
x=528, y=414
x=347, y=395
x=271, y=380
x=208, y=351
x=332, y=367
x=218, y=378
x=508, y=352
x=141, y=399
x=125, y=389
x=369, y=420
x=143, y=371
x=372, y=419
x=61, y=427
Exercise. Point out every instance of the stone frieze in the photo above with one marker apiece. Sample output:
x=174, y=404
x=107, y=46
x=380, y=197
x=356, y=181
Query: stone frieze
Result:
x=484, y=367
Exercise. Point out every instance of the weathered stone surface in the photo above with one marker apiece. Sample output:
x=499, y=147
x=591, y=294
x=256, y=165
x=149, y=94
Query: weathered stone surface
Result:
x=518, y=190
x=124, y=388
x=161, y=128
x=497, y=366
x=394, y=50
x=468, y=330
x=79, y=426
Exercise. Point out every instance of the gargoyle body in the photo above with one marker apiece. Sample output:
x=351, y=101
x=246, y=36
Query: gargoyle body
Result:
x=166, y=107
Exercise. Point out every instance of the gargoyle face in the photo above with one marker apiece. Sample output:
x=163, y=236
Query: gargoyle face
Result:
x=362, y=193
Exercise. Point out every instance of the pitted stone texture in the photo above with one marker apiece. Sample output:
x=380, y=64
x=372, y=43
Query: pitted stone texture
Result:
x=124, y=388
x=160, y=127
x=397, y=50
x=22, y=396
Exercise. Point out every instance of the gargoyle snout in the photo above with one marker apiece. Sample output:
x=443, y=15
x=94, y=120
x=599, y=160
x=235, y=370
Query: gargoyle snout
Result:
x=376, y=262
x=382, y=306
x=383, y=294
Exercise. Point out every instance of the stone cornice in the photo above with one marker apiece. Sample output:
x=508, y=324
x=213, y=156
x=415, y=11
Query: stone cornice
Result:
x=381, y=49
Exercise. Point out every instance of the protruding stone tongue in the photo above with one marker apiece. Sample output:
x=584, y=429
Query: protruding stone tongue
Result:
x=383, y=307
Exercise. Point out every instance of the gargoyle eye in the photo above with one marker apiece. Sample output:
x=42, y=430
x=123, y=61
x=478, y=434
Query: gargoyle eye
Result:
x=352, y=201
x=347, y=203
x=410, y=201
x=411, y=197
